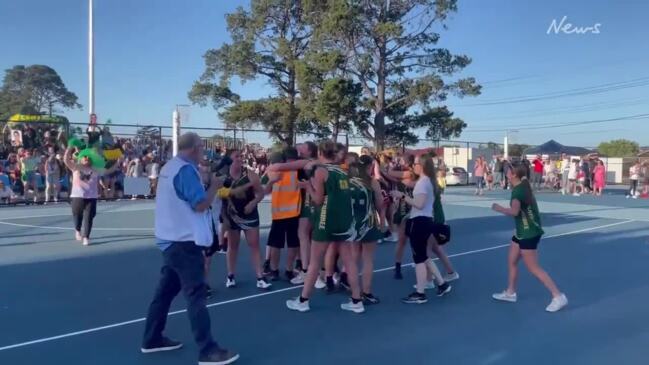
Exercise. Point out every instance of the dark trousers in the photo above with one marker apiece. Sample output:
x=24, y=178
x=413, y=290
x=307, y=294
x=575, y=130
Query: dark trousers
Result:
x=419, y=229
x=633, y=188
x=83, y=212
x=182, y=269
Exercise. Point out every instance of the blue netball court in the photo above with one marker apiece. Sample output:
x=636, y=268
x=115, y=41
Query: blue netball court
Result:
x=61, y=303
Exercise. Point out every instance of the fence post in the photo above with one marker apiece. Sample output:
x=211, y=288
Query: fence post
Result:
x=468, y=150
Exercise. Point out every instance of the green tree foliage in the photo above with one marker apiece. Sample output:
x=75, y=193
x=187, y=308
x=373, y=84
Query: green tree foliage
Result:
x=35, y=89
x=391, y=51
x=619, y=148
x=268, y=40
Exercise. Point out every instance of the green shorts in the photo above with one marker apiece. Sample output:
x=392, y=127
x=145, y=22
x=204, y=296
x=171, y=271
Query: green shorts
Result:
x=321, y=235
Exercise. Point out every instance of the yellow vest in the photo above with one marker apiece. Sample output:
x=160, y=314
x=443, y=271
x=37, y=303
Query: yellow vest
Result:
x=286, y=197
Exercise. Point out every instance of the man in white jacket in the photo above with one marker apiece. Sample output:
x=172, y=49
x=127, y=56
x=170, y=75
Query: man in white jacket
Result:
x=183, y=230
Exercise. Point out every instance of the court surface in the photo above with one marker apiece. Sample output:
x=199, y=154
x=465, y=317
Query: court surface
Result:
x=62, y=303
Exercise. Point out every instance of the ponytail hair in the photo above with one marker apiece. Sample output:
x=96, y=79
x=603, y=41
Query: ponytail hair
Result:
x=364, y=162
x=429, y=169
x=520, y=171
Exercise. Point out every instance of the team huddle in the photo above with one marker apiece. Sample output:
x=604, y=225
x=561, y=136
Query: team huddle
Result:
x=332, y=207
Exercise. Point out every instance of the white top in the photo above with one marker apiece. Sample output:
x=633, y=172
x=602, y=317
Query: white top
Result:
x=153, y=170
x=565, y=164
x=572, y=174
x=175, y=220
x=634, y=172
x=423, y=186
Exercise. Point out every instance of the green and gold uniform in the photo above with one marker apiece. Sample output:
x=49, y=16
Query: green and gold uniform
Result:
x=233, y=213
x=334, y=220
x=366, y=215
x=528, y=220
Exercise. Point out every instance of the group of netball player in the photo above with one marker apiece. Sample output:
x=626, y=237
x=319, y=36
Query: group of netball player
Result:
x=348, y=203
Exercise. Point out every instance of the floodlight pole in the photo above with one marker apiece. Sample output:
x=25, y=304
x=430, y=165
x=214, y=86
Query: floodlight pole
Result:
x=91, y=59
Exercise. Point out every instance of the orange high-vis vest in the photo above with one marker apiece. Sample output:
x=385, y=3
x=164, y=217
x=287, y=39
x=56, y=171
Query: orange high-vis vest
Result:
x=286, y=197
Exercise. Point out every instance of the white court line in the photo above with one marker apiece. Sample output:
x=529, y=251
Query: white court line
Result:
x=94, y=229
x=72, y=229
x=70, y=214
x=138, y=320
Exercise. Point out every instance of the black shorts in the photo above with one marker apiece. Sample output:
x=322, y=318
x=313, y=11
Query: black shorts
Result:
x=284, y=232
x=527, y=244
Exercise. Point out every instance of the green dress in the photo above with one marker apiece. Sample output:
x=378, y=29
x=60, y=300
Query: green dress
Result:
x=366, y=215
x=334, y=220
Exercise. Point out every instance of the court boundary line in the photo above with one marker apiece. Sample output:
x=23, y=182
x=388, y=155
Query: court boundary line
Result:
x=94, y=229
x=258, y=295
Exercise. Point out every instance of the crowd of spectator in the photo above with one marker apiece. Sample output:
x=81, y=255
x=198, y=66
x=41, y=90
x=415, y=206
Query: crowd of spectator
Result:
x=32, y=168
x=565, y=174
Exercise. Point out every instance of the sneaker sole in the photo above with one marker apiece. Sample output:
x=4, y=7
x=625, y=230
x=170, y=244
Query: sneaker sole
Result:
x=504, y=300
x=224, y=362
x=301, y=310
x=160, y=349
x=357, y=311
x=419, y=301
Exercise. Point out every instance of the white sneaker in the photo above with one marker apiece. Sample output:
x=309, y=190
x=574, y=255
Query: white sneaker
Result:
x=505, y=297
x=350, y=306
x=86, y=242
x=576, y=194
x=320, y=284
x=628, y=196
x=451, y=277
x=296, y=305
x=557, y=303
x=77, y=236
x=230, y=283
x=263, y=284
x=298, y=279
x=429, y=285
x=635, y=197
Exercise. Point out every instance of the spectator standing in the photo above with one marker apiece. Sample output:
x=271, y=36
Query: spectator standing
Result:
x=599, y=177
x=565, y=173
x=479, y=174
x=152, y=171
x=28, y=168
x=634, y=176
x=52, y=178
x=585, y=170
x=537, y=173
x=498, y=171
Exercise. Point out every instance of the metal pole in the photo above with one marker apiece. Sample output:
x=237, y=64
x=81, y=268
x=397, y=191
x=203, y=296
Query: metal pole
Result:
x=91, y=59
x=175, y=132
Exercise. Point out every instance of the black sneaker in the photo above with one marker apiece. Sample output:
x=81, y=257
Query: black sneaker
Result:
x=165, y=344
x=218, y=357
x=208, y=291
x=273, y=275
x=368, y=298
x=289, y=274
x=415, y=298
x=443, y=289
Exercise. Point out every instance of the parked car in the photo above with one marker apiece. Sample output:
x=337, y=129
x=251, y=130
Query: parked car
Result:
x=456, y=175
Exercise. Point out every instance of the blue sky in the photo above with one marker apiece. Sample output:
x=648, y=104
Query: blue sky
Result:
x=148, y=53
